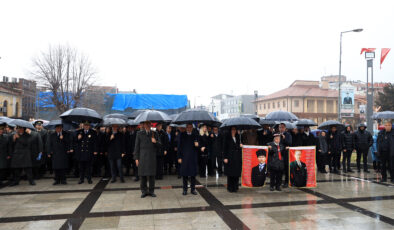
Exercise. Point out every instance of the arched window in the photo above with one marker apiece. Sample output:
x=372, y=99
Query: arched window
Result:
x=17, y=109
x=5, y=104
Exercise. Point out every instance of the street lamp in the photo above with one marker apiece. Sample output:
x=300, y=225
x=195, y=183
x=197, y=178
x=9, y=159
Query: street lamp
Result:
x=340, y=69
x=369, y=56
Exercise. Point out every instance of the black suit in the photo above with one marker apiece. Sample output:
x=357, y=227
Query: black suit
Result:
x=298, y=175
x=85, y=147
x=258, y=177
x=59, y=149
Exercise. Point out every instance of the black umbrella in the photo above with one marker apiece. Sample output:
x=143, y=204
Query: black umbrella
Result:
x=266, y=122
x=7, y=121
x=196, y=115
x=135, y=114
x=305, y=122
x=113, y=121
x=116, y=115
x=81, y=115
x=281, y=116
x=240, y=123
x=254, y=117
x=22, y=123
x=289, y=125
x=383, y=115
x=153, y=116
x=330, y=123
x=131, y=122
x=66, y=125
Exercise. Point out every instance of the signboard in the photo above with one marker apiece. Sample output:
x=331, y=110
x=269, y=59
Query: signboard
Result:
x=254, y=174
x=347, y=101
x=302, y=167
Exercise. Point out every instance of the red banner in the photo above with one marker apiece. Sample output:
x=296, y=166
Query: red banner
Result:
x=302, y=167
x=383, y=55
x=253, y=175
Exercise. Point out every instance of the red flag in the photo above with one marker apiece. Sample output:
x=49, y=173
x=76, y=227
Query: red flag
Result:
x=367, y=50
x=383, y=55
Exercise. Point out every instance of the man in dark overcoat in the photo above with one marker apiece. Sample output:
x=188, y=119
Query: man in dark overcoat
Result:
x=4, y=161
x=59, y=146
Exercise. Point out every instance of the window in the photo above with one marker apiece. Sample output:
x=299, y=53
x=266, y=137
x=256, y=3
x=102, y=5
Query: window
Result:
x=269, y=105
x=278, y=104
x=330, y=106
x=310, y=106
x=284, y=103
x=273, y=105
x=5, y=103
x=260, y=106
x=296, y=103
x=264, y=105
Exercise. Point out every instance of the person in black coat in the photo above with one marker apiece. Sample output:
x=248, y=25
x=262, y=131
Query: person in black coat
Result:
x=298, y=171
x=21, y=149
x=171, y=146
x=322, y=152
x=259, y=172
x=385, y=146
x=334, y=149
x=217, y=150
x=4, y=161
x=58, y=150
x=85, y=147
x=286, y=141
x=347, y=149
x=276, y=163
x=296, y=138
x=203, y=152
x=188, y=146
x=363, y=141
x=115, y=149
x=232, y=154
x=265, y=136
x=307, y=137
x=162, y=152
x=44, y=138
x=130, y=135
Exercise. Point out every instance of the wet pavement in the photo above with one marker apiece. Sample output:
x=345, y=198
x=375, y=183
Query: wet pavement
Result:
x=340, y=201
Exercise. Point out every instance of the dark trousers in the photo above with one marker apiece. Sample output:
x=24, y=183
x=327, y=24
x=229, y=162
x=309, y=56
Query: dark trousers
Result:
x=4, y=173
x=232, y=183
x=126, y=162
x=159, y=167
x=211, y=167
x=192, y=183
x=387, y=165
x=169, y=161
x=60, y=175
x=18, y=172
x=334, y=157
x=364, y=154
x=96, y=165
x=144, y=187
x=346, y=157
x=85, y=169
x=275, y=178
x=202, y=165
x=286, y=169
x=116, y=168
x=218, y=162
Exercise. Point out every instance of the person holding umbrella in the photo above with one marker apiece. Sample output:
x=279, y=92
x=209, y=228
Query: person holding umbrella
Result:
x=116, y=151
x=147, y=144
x=286, y=141
x=85, y=146
x=232, y=154
x=21, y=149
x=59, y=147
x=204, y=142
x=188, y=148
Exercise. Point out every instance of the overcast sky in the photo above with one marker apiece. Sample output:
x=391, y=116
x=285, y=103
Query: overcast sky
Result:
x=201, y=48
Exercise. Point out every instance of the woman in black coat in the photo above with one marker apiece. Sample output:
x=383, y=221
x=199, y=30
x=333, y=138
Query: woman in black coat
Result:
x=232, y=155
x=116, y=150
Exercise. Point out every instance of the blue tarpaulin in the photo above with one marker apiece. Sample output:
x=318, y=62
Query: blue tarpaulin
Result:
x=148, y=101
x=45, y=101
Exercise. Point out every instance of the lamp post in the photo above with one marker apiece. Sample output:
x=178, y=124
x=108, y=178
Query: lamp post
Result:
x=369, y=56
x=340, y=69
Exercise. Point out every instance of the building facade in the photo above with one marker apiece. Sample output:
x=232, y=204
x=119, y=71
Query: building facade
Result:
x=226, y=106
x=10, y=102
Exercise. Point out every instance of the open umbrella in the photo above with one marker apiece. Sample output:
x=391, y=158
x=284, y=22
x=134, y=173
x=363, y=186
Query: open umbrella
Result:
x=281, y=116
x=266, y=122
x=7, y=121
x=81, y=115
x=22, y=123
x=113, y=121
x=328, y=124
x=289, y=125
x=254, y=117
x=196, y=115
x=135, y=114
x=173, y=116
x=383, y=115
x=241, y=123
x=131, y=122
x=153, y=116
x=116, y=115
x=67, y=126
x=305, y=122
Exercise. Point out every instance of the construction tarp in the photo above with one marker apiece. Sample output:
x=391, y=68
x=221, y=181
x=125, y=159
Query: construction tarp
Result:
x=148, y=101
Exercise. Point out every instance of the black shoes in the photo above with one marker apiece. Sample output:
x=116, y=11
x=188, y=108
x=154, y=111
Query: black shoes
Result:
x=56, y=183
x=350, y=171
x=272, y=189
x=136, y=179
x=90, y=181
x=193, y=192
x=81, y=182
x=184, y=193
x=63, y=182
x=113, y=180
x=122, y=180
x=143, y=195
x=278, y=189
x=32, y=182
x=153, y=195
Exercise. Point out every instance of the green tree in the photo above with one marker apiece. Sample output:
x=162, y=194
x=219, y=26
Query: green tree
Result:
x=385, y=100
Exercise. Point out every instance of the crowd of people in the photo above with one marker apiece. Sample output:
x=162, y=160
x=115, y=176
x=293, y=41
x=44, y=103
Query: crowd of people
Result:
x=148, y=153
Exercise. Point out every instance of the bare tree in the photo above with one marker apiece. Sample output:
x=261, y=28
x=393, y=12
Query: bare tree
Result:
x=66, y=73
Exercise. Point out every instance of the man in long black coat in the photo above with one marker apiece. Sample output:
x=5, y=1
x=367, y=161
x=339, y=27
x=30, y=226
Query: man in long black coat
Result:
x=285, y=141
x=163, y=149
x=44, y=138
x=146, y=146
x=348, y=146
x=259, y=172
x=363, y=141
x=4, y=161
x=130, y=136
x=232, y=158
x=116, y=150
x=59, y=147
x=37, y=153
x=188, y=158
x=334, y=142
x=172, y=147
x=385, y=145
x=20, y=150
x=217, y=150
x=85, y=147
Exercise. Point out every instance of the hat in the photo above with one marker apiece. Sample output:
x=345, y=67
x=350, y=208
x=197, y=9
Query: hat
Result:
x=38, y=122
x=86, y=123
x=260, y=152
